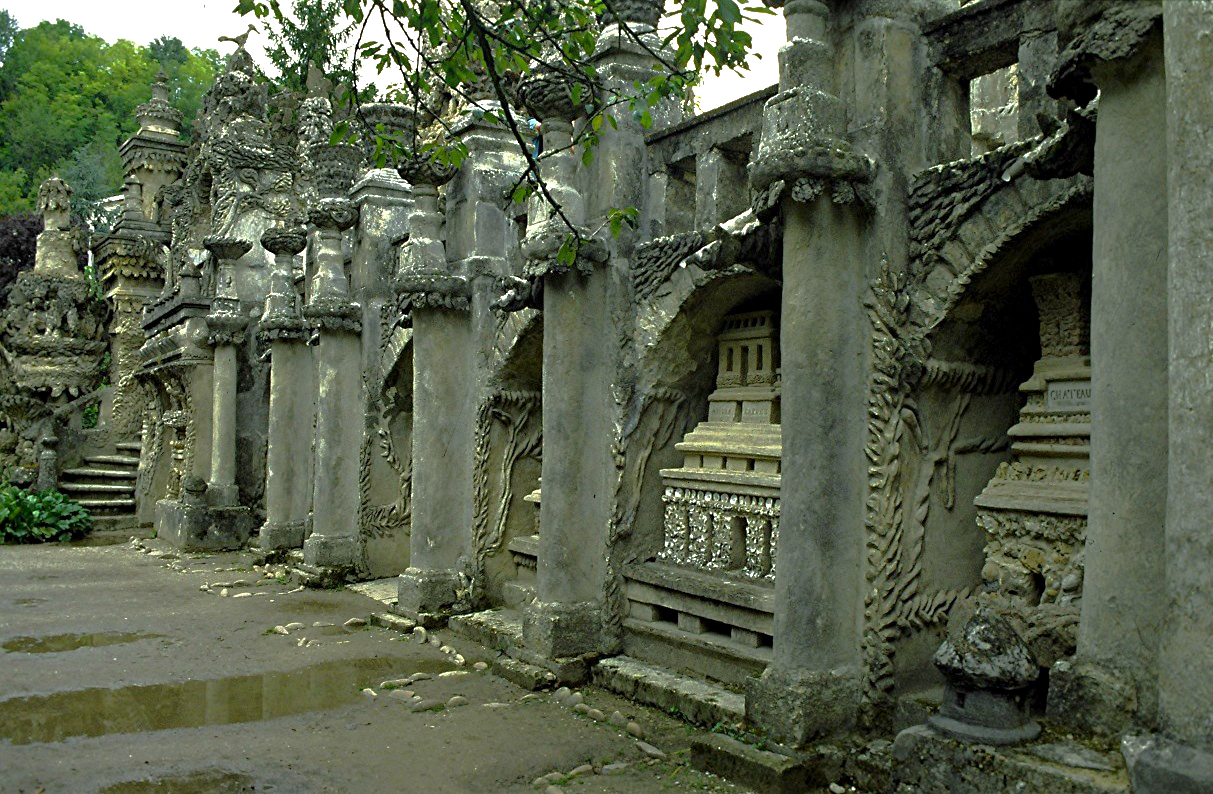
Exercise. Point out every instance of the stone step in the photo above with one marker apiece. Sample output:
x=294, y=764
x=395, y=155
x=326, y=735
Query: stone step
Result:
x=132, y=447
x=114, y=460
x=700, y=702
x=68, y=486
x=501, y=630
x=711, y=655
x=103, y=474
x=107, y=504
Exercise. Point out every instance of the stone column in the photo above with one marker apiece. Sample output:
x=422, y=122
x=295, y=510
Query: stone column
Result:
x=1183, y=761
x=1114, y=671
x=443, y=421
x=575, y=513
x=813, y=686
x=288, y=472
x=334, y=542
x=226, y=323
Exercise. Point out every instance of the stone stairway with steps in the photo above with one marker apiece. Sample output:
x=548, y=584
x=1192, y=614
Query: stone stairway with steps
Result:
x=105, y=486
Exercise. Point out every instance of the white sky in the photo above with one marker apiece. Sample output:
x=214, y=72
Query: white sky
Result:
x=199, y=23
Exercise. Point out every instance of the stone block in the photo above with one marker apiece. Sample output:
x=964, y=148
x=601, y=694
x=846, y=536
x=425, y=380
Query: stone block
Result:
x=555, y=630
x=199, y=528
x=796, y=708
x=760, y=770
x=1158, y=765
x=1091, y=697
x=282, y=535
x=923, y=760
x=332, y=551
x=426, y=592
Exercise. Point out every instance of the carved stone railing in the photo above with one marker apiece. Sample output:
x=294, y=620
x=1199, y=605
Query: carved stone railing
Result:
x=720, y=531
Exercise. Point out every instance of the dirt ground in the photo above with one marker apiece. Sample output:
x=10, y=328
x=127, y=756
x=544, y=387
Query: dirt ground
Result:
x=121, y=674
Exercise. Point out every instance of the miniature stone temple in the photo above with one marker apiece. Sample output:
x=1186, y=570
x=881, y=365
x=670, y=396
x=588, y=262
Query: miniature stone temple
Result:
x=885, y=424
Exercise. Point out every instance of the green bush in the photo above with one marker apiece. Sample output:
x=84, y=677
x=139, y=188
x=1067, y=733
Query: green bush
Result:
x=39, y=516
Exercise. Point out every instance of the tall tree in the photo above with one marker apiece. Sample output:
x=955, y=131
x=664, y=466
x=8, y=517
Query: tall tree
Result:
x=67, y=100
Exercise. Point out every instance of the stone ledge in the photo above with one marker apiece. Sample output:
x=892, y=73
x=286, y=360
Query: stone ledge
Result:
x=761, y=770
x=699, y=702
x=925, y=761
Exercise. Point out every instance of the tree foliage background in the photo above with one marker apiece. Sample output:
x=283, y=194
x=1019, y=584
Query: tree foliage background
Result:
x=67, y=100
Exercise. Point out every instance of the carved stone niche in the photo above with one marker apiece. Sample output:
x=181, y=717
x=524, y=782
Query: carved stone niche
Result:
x=722, y=506
x=1034, y=510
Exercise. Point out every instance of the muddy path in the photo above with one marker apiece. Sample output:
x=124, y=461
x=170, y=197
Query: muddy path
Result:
x=125, y=672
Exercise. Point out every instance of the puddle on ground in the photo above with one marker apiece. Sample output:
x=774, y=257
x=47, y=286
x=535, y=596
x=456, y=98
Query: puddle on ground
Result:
x=190, y=704
x=70, y=642
x=205, y=782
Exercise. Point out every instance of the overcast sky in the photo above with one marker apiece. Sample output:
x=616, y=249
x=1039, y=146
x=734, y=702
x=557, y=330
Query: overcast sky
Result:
x=199, y=23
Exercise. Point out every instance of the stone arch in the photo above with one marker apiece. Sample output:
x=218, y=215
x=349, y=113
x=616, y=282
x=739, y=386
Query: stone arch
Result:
x=971, y=336
x=676, y=372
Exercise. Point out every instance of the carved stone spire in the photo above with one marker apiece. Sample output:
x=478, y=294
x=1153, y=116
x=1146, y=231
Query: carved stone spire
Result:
x=157, y=115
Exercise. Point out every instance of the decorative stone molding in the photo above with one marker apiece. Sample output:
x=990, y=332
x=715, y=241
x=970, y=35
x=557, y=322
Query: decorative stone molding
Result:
x=433, y=291
x=812, y=168
x=333, y=213
x=334, y=314
x=542, y=246
x=519, y=415
x=1117, y=33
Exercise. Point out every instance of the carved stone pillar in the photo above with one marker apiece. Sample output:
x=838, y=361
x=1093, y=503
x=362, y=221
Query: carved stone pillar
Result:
x=578, y=370
x=1113, y=677
x=334, y=541
x=443, y=418
x=814, y=684
x=288, y=475
x=226, y=323
x=1183, y=761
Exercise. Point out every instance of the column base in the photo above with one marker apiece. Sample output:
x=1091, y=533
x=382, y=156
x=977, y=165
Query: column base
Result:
x=797, y=708
x=556, y=630
x=332, y=551
x=282, y=535
x=429, y=597
x=201, y=528
x=1091, y=697
x=1158, y=765
x=222, y=495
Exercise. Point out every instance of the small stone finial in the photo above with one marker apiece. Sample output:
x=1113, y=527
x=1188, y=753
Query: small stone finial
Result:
x=160, y=87
x=54, y=202
x=335, y=167
x=548, y=95
x=633, y=12
x=283, y=240
x=422, y=170
x=227, y=249
x=157, y=115
x=990, y=672
x=336, y=214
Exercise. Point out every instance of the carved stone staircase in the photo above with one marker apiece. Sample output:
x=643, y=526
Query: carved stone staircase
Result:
x=105, y=486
